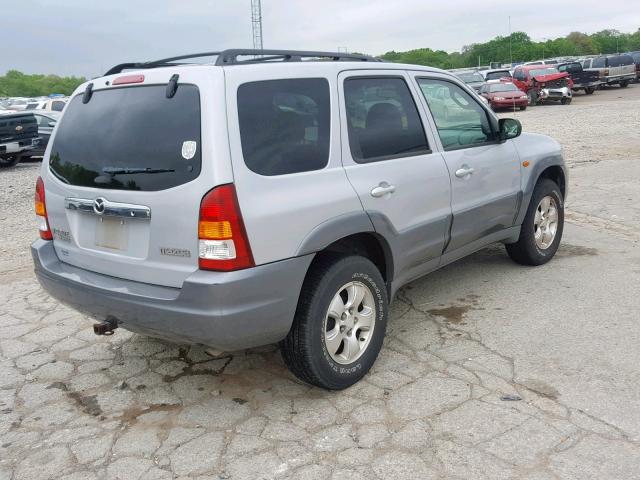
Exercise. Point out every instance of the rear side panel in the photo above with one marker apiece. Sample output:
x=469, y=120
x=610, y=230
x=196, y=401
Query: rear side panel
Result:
x=281, y=210
x=137, y=226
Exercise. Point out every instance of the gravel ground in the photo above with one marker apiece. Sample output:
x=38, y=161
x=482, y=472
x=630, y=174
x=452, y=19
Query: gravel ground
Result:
x=490, y=370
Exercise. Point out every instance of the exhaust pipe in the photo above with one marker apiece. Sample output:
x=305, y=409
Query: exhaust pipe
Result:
x=105, y=327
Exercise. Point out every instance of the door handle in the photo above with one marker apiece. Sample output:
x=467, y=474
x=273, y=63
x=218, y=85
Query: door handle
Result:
x=464, y=171
x=382, y=189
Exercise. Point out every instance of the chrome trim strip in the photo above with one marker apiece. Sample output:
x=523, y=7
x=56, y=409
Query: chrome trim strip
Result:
x=107, y=208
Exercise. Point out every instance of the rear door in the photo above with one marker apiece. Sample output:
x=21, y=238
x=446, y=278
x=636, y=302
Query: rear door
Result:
x=126, y=171
x=387, y=153
x=485, y=173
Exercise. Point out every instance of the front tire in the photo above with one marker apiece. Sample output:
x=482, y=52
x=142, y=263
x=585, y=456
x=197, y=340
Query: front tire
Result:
x=542, y=227
x=339, y=324
x=566, y=101
x=532, y=98
x=624, y=84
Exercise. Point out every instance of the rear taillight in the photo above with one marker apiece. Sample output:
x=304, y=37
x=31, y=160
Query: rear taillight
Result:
x=223, y=244
x=41, y=211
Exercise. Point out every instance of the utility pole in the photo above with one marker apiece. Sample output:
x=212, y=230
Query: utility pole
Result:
x=510, y=51
x=256, y=24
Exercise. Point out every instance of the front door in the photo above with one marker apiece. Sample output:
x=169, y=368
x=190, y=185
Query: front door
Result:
x=485, y=173
x=387, y=154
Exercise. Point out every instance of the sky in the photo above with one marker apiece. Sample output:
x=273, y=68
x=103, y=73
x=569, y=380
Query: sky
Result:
x=87, y=37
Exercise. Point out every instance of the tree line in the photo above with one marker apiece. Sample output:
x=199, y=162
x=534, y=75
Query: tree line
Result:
x=18, y=84
x=519, y=47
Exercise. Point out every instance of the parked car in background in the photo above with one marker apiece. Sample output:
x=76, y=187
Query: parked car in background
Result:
x=182, y=227
x=636, y=61
x=586, y=80
x=472, y=78
x=18, y=132
x=46, y=123
x=50, y=104
x=496, y=74
x=543, y=83
x=612, y=69
x=504, y=95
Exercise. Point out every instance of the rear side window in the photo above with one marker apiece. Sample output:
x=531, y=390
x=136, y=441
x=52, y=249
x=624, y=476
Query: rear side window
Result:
x=131, y=138
x=383, y=120
x=285, y=125
x=57, y=106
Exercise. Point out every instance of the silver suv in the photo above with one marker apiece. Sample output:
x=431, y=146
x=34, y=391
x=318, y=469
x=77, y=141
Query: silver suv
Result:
x=280, y=196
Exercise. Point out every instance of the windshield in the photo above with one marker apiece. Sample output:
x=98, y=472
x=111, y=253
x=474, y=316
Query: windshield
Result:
x=470, y=77
x=503, y=87
x=131, y=138
x=542, y=71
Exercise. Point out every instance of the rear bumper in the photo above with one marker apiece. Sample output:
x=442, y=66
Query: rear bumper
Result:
x=225, y=310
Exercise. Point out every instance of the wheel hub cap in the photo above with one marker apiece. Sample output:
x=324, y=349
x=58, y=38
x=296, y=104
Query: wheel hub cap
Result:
x=545, y=223
x=349, y=323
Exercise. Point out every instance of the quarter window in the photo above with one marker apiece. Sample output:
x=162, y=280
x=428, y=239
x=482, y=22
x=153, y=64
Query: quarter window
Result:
x=284, y=125
x=383, y=120
x=460, y=120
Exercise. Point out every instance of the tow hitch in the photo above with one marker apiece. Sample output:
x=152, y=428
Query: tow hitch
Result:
x=106, y=327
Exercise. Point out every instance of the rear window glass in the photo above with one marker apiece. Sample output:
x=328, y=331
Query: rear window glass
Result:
x=131, y=138
x=284, y=125
x=620, y=60
x=497, y=75
x=383, y=120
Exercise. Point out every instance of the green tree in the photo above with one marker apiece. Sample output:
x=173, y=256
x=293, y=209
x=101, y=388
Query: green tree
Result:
x=18, y=84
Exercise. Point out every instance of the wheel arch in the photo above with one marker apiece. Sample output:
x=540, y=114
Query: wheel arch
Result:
x=352, y=233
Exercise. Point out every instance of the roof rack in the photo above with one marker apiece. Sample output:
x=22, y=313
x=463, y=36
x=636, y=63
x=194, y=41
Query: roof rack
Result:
x=230, y=57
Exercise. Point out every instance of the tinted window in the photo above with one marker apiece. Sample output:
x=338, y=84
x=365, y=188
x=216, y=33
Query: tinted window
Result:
x=620, y=60
x=284, y=125
x=570, y=68
x=519, y=75
x=57, y=106
x=497, y=75
x=383, y=120
x=130, y=128
x=460, y=120
x=600, y=62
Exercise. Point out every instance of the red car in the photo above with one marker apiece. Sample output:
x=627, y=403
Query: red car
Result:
x=542, y=83
x=504, y=95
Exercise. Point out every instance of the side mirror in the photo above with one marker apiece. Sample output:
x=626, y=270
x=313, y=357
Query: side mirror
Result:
x=52, y=124
x=509, y=128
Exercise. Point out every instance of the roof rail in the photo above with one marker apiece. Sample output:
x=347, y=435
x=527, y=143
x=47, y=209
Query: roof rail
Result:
x=230, y=57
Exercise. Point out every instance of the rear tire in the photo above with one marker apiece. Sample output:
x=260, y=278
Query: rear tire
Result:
x=590, y=90
x=6, y=162
x=329, y=344
x=624, y=84
x=523, y=108
x=531, y=247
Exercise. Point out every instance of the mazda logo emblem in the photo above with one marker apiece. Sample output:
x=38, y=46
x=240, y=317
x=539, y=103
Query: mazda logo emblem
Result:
x=98, y=205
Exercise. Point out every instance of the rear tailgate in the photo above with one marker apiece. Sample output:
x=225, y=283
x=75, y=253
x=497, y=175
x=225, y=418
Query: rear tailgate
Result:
x=125, y=174
x=17, y=127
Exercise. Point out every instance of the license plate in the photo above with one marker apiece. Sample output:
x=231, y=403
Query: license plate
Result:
x=112, y=233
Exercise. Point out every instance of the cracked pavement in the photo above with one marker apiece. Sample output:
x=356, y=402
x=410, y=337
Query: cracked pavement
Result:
x=490, y=370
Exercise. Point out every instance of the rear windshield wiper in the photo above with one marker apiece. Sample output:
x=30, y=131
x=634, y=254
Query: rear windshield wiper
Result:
x=130, y=170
